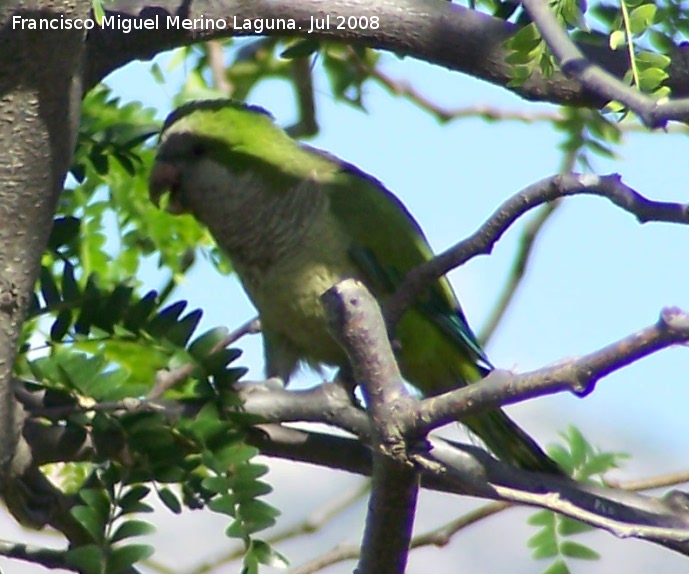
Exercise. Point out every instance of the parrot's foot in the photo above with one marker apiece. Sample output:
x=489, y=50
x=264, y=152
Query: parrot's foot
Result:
x=345, y=379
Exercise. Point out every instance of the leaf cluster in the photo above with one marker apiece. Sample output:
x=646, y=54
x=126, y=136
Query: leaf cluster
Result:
x=582, y=461
x=97, y=342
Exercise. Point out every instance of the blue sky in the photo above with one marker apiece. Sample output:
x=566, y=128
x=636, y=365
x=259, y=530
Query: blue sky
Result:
x=596, y=275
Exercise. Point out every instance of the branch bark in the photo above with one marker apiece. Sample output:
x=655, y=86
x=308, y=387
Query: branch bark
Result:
x=436, y=32
x=40, y=96
x=355, y=320
x=580, y=375
x=575, y=64
x=482, y=241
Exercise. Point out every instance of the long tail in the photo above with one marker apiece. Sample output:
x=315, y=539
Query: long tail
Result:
x=510, y=443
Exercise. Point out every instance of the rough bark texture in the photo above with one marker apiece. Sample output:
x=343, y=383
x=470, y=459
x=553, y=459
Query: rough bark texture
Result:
x=40, y=93
x=440, y=33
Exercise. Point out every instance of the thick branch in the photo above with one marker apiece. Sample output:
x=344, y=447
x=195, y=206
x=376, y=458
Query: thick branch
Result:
x=482, y=241
x=440, y=33
x=468, y=470
x=355, y=320
x=40, y=96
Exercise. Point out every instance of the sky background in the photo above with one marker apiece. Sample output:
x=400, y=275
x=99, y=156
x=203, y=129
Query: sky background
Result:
x=596, y=276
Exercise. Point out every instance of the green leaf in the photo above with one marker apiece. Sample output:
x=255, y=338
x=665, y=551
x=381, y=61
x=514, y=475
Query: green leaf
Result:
x=542, y=518
x=617, y=39
x=650, y=79
x=301, y=49
x=526, y=39
x=139, y=313
x=544, y=537
x=166, y=319
x=219, y=484
x=133, y=496
x=567, y=526
x=89, y=307
x=122, y=558
x=49, y=290
x=180, y=333
x=65, y=230
x=61, y=325
x=577, y=444
x=96, y=499
x=549, y=550
x=157, y=73
x=653, y=59
x=249, y=490
x=98, y=11
x=132, y=528
x=576, y=550
x=266, y=554
x=257, y=515
x=87, y=559
x=557, y=567
x=232, y=455
x=600, y=464
x=70, y=287
x=235, y=530
x=204, y=343
x=169, y=499
x=90, y=520
x=641, y=18
x=224, y=504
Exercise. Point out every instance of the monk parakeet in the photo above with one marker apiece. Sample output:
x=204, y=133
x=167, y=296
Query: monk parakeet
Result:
x=294, y=221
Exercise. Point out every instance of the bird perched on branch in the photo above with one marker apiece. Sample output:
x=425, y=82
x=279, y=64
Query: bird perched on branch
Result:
x=294, y=221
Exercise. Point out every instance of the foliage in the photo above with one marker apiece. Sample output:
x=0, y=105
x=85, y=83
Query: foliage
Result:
x=553, y=540
x=105, y=342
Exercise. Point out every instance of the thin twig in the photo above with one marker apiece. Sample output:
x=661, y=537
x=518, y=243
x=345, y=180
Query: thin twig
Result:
x=34, y=554
x=339, y=553
x=579, y=375
x=523, y=256
x=660, y=481
x=527, y=241
x=443, y=534
x=216, y=64
x=302, y=76
x=166, y=380
x=406, y=90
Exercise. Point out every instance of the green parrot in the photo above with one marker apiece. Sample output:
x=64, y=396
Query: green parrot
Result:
x=295, y=221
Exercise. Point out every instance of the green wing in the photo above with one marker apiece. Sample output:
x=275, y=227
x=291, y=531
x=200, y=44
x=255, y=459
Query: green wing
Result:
x=386, y=244
x=439, y=352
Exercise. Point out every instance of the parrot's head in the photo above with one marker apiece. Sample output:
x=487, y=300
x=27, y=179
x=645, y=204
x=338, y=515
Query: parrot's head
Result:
x=205, y=147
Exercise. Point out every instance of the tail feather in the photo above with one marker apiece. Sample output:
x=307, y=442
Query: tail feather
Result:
x=510, y=443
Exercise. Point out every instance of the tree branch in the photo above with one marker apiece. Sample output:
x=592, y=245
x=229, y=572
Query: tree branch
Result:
x=574, y=64
x=38, y=555
x=482, y=241
x=40, y=83
x=580, y=375
x=468, y=470
x=356, y=322
x=440, y=33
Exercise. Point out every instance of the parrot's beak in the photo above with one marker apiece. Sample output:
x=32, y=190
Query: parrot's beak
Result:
x=165, y=178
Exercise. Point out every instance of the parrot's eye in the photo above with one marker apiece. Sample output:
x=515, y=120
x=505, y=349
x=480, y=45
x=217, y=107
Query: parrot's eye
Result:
x=199, y=149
